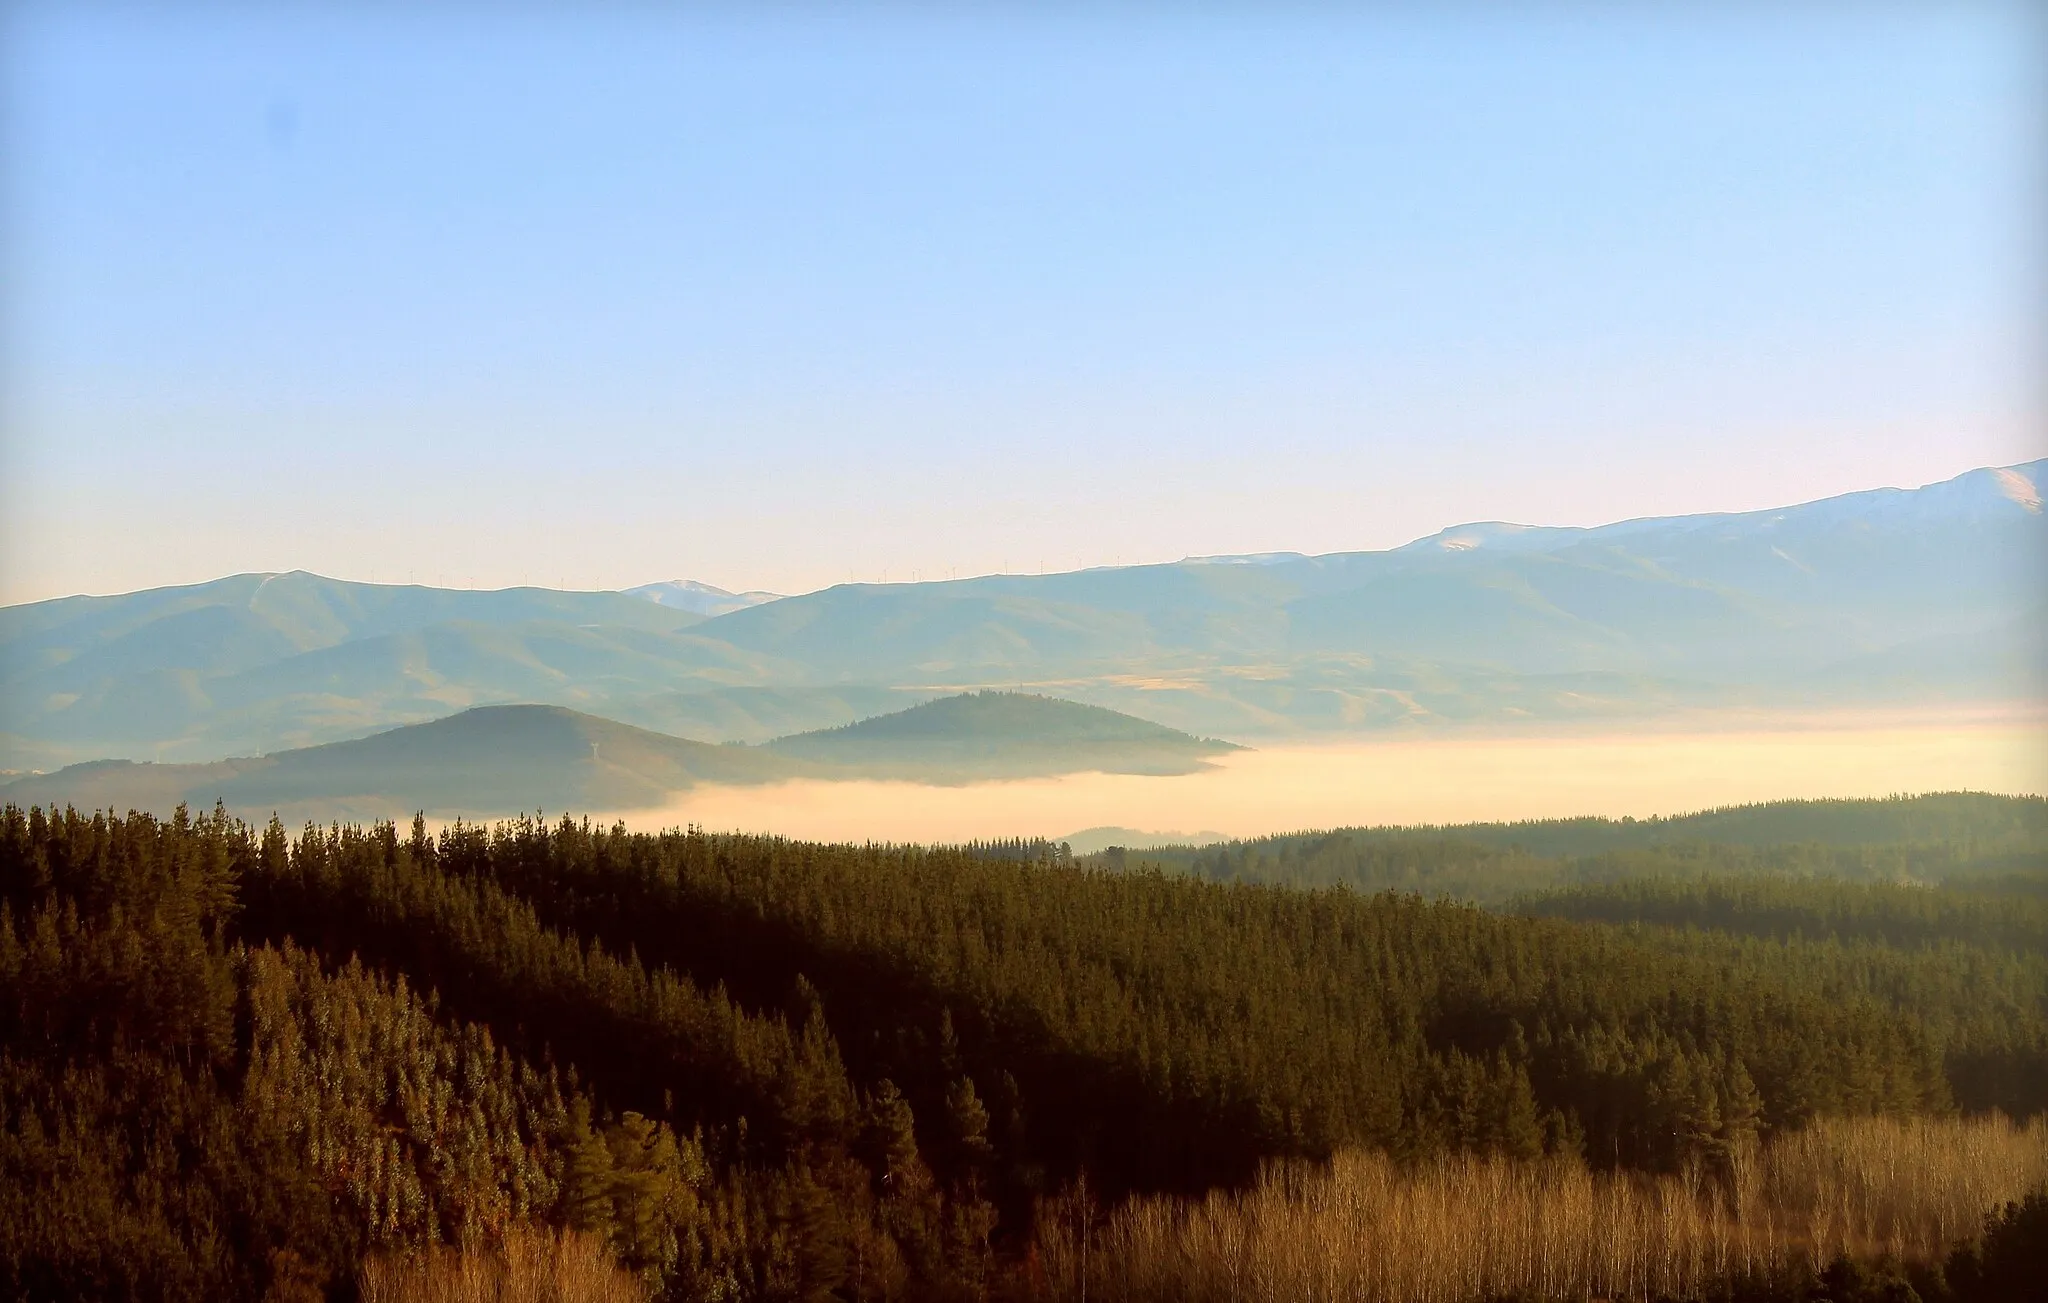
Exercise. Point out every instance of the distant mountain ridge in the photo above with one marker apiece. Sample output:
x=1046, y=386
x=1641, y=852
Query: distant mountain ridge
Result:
x=698, y=598
x=1889, y=595
x=498, y=760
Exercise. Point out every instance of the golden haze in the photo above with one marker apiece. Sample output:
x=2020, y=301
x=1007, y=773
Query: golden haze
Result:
x=1675, y=767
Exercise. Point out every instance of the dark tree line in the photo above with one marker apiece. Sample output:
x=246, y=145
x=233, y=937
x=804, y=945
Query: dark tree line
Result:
x=2000, y=842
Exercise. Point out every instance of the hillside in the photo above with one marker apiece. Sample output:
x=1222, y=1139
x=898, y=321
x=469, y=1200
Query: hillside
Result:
x=1983, y=819
x=1925, y=595
x=258, y=663
x=985, y=734
x=1949, y=837
x=498, y=760
x=489, y=760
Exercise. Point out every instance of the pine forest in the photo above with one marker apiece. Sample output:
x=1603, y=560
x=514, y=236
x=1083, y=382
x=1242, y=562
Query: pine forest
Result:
x=1778, y=1053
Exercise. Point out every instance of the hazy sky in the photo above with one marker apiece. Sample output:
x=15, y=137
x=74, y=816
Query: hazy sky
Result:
x=781, y=297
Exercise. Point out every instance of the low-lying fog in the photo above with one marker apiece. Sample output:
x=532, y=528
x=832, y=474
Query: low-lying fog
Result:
x=1443, y=778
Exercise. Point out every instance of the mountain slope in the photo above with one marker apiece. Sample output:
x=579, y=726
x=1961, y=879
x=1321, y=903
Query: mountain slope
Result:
x=255, y=663
x=496, y=760
x=490, y=760
x=303, y=611
x=1743, y=598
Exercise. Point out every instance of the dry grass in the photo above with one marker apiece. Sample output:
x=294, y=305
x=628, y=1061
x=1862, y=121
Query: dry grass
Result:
x=1364, y=1228
x=527, y=1266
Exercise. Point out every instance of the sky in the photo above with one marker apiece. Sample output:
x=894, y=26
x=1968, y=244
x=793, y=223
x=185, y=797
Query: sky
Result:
x=782, y=296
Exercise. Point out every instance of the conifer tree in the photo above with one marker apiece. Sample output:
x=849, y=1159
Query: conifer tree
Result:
x=651, y=1197
x=889, y=1140
x=820, y=1235
x=587, y=1175
x=969, y=1120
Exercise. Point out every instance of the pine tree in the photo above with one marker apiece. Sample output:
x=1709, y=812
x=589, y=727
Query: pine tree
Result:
x=587, y=1175
x=648, y=1193
x=1521, y=1131
x=1741, y=1106
x=969, y=1120
x=821, y=1238
x=889, y=1140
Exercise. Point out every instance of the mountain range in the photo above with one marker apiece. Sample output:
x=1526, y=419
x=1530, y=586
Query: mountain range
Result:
x=496, y=760
x=1889, y=595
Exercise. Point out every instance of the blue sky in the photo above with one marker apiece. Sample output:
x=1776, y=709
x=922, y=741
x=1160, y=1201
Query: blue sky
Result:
x=780, y=297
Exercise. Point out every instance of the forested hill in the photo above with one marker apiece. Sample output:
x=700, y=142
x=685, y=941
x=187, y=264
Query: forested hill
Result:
x=980, y=734
x=1932, y=837
x=497, y=760
x=235, y=1063
x=490, y=760
x=1976, y=818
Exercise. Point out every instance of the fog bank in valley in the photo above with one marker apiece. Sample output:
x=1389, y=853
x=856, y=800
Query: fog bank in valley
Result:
x=1434, y=779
